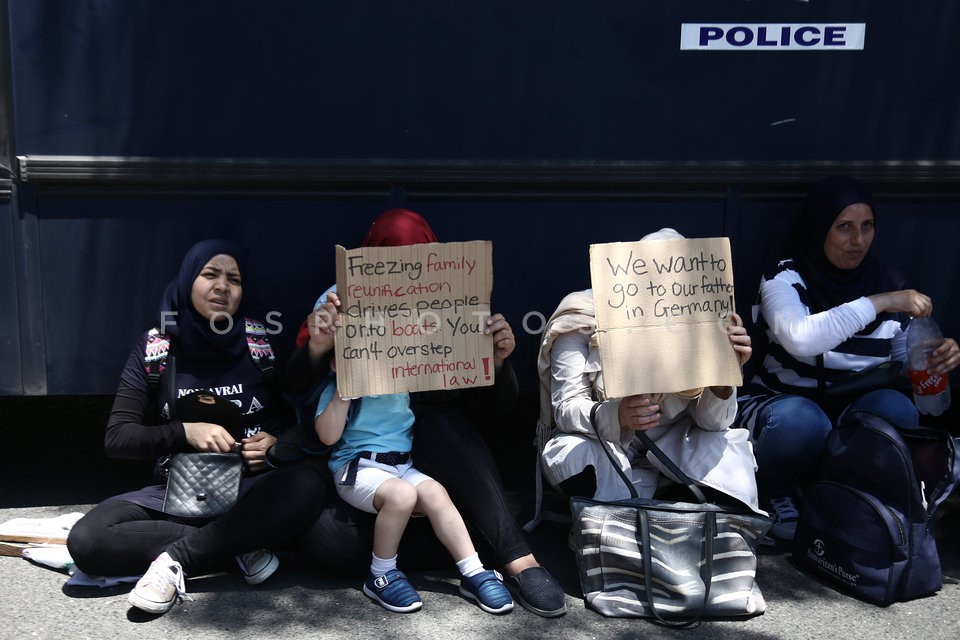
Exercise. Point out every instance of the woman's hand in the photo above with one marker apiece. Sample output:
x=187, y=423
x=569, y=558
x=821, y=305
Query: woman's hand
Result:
x=322, y=323
x=945, y=357
x=908, y=301
x=254, y=450
x=638, y=413
x=208, y=437
x=739, y=338
x=503, y=341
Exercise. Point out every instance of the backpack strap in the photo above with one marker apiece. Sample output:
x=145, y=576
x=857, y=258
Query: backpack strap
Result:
x=155, y=355
x=158, y=349
x=260, y=350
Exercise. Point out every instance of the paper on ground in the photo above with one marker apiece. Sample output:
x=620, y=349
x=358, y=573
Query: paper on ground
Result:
x=43, y=530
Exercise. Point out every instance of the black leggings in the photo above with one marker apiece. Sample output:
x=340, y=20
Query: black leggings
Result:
x=119, y=538
x=445, y=447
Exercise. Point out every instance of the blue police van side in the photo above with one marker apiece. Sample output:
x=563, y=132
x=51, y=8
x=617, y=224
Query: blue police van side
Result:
x=129, y=130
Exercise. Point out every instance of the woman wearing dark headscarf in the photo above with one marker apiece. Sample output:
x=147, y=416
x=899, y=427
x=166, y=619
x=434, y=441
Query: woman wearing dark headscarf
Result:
x=204, y=335
x=446, y=445
x=831, y=310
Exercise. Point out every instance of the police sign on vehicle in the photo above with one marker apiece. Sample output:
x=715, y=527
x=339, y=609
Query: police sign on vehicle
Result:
x=772, y=37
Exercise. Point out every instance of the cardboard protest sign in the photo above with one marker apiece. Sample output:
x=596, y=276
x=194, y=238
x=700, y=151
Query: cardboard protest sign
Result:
x=661, y=309
x=413, y=318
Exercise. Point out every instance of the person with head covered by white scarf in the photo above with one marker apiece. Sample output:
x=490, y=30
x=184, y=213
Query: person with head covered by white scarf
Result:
x=691, y=427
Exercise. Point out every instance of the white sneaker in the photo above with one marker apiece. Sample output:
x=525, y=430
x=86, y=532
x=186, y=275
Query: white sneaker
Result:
x=785, y=516
x=160, y=586
x=258, y=565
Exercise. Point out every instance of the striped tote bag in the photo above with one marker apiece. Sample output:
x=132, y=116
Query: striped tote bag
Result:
x=677, y=562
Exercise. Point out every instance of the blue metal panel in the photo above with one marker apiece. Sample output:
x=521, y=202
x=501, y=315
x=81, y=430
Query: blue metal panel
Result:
x=498, y=80
x=920, y=240
x=29, y=295
x=10, y=379
x=104, y=262
x=475, y=112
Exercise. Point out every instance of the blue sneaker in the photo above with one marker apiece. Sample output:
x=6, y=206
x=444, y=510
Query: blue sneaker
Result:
x=488, y=590
x=393, y=591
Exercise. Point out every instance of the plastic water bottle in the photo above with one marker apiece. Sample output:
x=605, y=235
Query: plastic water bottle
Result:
x=931, y=391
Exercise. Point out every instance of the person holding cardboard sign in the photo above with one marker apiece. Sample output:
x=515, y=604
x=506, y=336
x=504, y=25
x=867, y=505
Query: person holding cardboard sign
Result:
x=829, y=313
x=691, y=426
x=448, y=446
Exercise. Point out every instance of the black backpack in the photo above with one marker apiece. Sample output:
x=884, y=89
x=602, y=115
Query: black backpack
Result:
x=866, y=524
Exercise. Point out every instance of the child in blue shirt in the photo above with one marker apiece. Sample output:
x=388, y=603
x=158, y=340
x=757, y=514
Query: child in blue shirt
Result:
x=374, y=473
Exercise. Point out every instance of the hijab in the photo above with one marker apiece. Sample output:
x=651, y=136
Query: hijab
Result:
x=398, y=227
x=827, y=285
x=194, y=333
x=392, y=228
x=663, y=234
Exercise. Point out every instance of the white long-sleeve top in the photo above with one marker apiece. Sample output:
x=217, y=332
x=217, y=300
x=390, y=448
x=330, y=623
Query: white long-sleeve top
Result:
x=796, y=336
x=575, y=367
x=693, y=433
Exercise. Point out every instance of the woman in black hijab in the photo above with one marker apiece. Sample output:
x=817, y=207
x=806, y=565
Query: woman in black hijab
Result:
x=202, y=342
x=200, y=315
x=831, y=310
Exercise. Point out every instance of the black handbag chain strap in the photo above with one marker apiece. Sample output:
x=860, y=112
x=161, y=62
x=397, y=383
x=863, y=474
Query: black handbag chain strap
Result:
x=162, y=465
x=171, y=373
x=709, y=525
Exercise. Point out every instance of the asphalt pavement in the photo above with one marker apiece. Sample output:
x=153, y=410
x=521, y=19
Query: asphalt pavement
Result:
x=299, y=602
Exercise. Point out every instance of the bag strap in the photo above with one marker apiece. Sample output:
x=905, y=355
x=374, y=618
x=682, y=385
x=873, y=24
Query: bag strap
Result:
x=161, y=467
x=155, y=355
x=616, y=465
x=652, y=447
x=677, y=472
x=709, y=533
x=821, y=381
x=709, y=526
x=159, y=347
x=171, y=379
x=259, y=347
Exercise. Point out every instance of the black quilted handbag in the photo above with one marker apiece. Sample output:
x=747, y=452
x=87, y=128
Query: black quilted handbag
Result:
x=202, y=485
